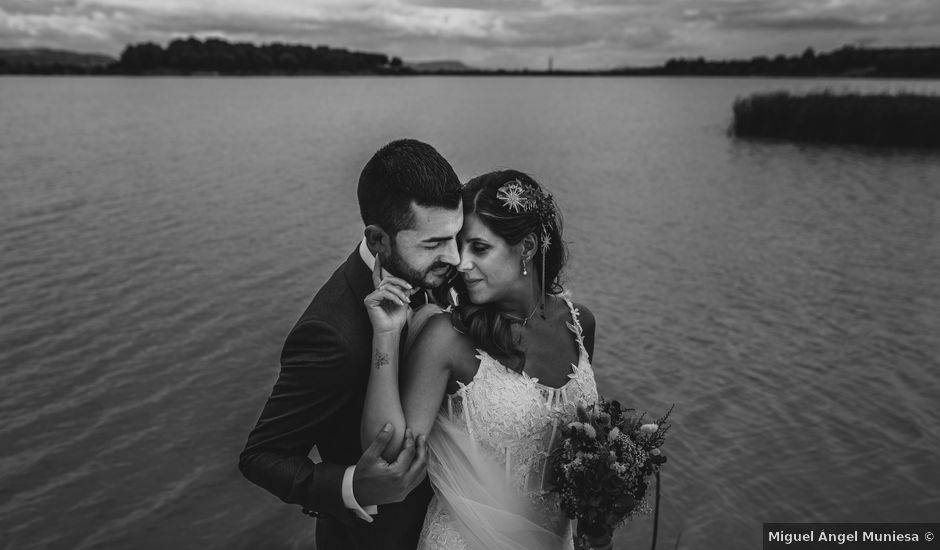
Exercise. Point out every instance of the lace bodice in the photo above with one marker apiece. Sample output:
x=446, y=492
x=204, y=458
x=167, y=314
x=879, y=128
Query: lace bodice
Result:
x=516, y=420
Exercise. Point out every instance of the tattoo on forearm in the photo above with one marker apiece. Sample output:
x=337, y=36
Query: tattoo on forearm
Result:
x=381, y=359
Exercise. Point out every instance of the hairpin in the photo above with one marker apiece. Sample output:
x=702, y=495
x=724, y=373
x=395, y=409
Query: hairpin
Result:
x=513, y=194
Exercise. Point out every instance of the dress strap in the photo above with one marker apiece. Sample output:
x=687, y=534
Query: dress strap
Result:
x=575, y=324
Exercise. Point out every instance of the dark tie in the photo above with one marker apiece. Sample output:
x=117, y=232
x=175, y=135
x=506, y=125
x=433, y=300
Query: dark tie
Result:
x=419, y=299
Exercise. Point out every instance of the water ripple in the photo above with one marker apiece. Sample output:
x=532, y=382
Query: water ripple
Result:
x=156, y=253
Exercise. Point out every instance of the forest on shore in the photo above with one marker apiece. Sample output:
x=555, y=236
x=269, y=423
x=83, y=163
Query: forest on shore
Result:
x=846, y=61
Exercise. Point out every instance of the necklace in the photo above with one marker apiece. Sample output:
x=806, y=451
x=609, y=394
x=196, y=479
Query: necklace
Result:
x=525, y=319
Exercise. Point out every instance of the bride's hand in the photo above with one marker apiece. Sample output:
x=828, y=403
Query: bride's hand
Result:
x=595, y=537
x=388, y=305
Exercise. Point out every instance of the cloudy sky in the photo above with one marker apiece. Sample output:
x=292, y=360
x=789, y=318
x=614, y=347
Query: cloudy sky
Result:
x=485, y=33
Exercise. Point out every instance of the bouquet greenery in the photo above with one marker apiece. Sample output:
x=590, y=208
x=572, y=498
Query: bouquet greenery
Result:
x=603, y=467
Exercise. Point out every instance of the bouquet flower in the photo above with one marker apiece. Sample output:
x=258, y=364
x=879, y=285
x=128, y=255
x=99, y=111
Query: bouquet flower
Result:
x=603, y=466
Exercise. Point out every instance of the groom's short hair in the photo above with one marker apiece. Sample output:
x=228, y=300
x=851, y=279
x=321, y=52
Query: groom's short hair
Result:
x=403, y=171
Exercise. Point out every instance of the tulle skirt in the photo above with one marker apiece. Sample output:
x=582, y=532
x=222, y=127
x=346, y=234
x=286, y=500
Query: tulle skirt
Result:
x=474, y=508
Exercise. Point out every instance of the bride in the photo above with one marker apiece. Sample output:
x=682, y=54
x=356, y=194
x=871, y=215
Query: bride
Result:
x=489, y=383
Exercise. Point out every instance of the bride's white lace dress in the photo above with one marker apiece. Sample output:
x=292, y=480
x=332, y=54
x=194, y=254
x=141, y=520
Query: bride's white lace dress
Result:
x=513, y=420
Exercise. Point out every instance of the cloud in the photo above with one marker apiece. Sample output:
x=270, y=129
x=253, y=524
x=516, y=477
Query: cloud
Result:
x=490, y=33
x=830, y=23
x=27, y=7
x=110, y=25
x=504, y=6
x=744, y=28
x=809, y=15
x=60, y=25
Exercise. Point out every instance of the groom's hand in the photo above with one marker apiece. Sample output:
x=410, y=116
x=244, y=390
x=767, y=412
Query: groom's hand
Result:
x=379, y=482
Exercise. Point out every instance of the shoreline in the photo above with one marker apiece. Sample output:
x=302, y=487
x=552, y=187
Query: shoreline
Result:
x=501, y=74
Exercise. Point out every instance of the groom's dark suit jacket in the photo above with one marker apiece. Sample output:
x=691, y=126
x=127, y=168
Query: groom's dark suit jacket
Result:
x=318, y=400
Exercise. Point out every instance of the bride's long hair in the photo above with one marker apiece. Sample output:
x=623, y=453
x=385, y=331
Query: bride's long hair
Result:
x=488, y=328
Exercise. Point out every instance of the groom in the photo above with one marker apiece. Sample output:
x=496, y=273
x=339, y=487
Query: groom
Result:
x=409, y=199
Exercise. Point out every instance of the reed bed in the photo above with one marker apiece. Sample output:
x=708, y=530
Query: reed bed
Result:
x=885, y=120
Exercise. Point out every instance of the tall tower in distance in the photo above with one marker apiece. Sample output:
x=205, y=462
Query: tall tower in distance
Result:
x=550, y=63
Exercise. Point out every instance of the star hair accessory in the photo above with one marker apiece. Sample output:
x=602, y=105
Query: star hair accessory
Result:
x=513, y=194
x=517, y=197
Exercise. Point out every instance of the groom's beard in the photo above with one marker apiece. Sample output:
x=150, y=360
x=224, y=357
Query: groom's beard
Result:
x=432, y=277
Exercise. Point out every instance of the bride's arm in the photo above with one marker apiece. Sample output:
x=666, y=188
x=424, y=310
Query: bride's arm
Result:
x=388, y=311
x=423, y=382
x=424, y=379
x=382, y=404
x=428, y=368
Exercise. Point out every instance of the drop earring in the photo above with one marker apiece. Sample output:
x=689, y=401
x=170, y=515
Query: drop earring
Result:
x=524, y=270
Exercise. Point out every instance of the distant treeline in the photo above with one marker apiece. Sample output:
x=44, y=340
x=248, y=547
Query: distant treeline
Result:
x=845, y=61
x=216, y=56
x=212, y=56
x=46, y=61
x=891, y=120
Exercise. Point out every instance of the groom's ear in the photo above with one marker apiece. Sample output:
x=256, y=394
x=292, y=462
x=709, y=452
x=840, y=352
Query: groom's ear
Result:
x=378, y=241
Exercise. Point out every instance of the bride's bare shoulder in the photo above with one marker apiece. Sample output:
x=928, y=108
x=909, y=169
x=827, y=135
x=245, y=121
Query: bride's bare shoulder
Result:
x=436, y=334
x=441, y=344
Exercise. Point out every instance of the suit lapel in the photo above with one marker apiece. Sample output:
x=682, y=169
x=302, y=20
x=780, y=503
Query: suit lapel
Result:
x=358, y=276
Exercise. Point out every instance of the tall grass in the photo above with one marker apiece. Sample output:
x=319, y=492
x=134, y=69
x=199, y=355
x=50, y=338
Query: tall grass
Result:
x=894, y=120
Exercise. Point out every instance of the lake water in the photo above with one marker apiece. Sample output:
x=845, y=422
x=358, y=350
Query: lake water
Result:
x=160, y=236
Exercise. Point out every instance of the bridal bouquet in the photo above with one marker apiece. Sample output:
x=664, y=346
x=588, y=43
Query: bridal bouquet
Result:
x=602, y=468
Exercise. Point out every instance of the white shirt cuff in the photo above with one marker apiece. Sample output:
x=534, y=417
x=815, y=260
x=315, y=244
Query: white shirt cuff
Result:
x=349, y=499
